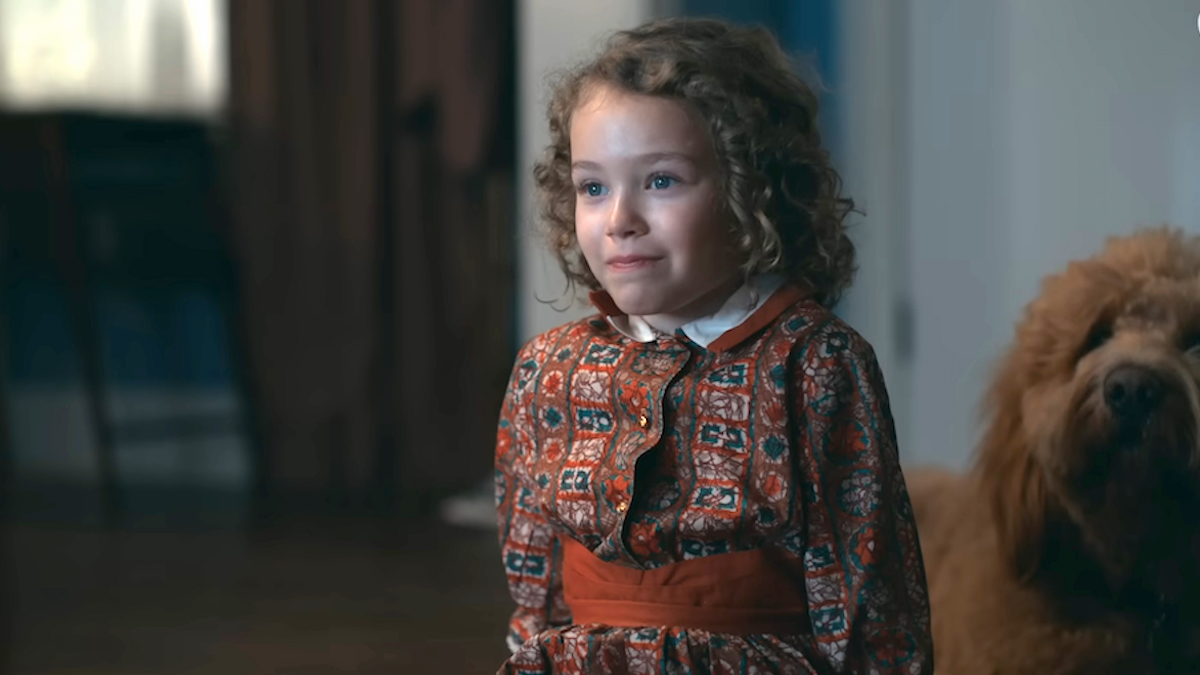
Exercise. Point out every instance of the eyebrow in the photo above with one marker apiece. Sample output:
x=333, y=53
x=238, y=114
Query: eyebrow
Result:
x=648, y=158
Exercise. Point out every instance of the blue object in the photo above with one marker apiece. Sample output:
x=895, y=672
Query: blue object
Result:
x=806, y=28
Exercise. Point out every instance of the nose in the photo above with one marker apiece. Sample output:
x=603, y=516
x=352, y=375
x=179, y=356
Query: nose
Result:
x=1133, y=392
x=624, y=220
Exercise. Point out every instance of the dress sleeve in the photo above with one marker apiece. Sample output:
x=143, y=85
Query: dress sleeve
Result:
x=530, y=550
x=863, y=569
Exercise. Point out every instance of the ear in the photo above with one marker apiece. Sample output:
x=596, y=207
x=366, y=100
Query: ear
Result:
x=1013, y=481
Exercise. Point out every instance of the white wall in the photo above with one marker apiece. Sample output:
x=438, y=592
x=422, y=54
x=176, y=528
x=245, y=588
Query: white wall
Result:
x=1103, y=101
x=1033, y=130
x=871, y=96
x=551, y=35
x=956, y=170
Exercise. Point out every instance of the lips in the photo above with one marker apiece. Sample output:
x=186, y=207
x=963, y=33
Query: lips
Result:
x=631, y=262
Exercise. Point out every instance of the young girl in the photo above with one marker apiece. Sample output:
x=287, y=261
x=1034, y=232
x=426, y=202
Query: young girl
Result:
x=703, y=478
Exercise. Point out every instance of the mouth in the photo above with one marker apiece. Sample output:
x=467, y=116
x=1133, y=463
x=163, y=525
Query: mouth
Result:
x=1132, y=452
x=1129, y=434
x=627, y=263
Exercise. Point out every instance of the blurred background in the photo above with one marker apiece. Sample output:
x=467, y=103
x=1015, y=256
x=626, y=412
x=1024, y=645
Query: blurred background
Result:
x=264, y=265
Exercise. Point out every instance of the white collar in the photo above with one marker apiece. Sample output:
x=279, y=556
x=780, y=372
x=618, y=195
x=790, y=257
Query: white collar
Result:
x=705, y=330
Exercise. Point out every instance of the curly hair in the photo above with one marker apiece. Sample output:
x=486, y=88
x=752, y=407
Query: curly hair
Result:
x=779, y=187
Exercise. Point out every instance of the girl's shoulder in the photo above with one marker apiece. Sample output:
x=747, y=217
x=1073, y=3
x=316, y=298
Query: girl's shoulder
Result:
x=833, y=361
x=808, y=324
x=566, y=340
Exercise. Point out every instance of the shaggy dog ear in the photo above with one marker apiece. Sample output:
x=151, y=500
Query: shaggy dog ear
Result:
x=1013, y=482
x=1057, y=326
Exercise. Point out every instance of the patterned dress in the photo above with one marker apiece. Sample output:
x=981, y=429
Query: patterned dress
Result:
x=648, y=453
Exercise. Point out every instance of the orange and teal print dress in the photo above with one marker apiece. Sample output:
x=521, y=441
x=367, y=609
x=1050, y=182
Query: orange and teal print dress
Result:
x=735, y=508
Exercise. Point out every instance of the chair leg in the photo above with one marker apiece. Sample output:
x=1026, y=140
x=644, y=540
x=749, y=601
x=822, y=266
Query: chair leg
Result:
x=73, y=268
x=7, y=470
x=84, y=316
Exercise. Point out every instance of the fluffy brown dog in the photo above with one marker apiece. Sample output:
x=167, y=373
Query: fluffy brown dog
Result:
x=1073, y=544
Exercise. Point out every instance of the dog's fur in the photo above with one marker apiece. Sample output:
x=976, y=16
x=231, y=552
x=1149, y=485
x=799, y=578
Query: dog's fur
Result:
x=1072, y=545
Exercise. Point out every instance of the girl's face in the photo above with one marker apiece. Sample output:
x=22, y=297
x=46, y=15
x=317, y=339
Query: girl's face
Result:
x=648, y=210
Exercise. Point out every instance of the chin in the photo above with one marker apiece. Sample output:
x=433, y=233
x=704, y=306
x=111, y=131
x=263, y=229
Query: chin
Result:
x=643, y=299
x=640, y=306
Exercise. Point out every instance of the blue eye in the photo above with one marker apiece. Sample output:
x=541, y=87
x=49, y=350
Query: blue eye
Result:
x=662, y=182
x=592, y=189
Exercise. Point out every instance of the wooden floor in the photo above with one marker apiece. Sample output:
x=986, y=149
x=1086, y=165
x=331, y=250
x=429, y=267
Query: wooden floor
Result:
x=309, y=598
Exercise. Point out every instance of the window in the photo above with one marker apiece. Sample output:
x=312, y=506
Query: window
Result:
x=165, y=56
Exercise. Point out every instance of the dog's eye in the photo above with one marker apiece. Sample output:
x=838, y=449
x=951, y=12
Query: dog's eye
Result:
x=1100, y=334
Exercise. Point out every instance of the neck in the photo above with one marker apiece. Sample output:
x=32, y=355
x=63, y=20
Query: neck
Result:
x=705, y=305
x=1155, y=580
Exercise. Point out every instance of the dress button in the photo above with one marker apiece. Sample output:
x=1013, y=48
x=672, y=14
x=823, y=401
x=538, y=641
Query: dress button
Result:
x=621, y=506
x=643, y=421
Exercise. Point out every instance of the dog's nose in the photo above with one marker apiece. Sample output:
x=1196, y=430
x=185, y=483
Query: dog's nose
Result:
x=1133, y=392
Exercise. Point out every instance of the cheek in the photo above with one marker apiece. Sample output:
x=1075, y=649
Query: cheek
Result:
x=1066, y=422
x=717, y=248
x=1045, y=407
x=699, y=231
x=587, y=233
